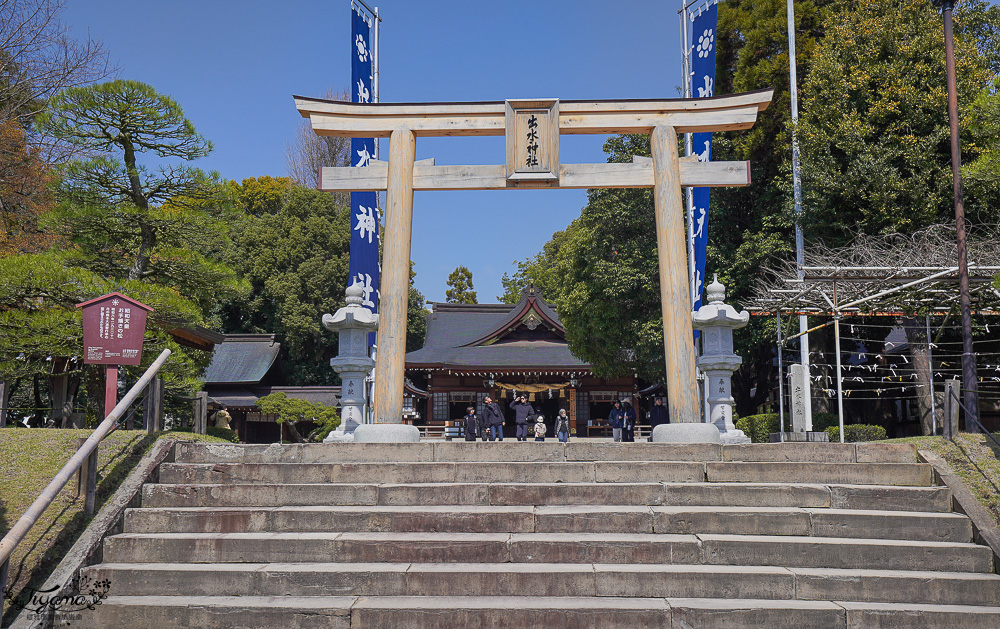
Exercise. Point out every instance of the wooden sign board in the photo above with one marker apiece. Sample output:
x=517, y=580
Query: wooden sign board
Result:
x=113, y=329
x=532, y=132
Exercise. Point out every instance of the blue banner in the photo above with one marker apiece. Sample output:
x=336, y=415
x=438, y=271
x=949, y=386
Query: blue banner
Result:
x=365, y=215
x=702, y=57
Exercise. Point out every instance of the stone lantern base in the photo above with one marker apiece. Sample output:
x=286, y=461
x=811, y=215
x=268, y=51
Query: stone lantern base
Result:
x=687, y=432
x=733, y=436
x=386, y=433
x=340, y=436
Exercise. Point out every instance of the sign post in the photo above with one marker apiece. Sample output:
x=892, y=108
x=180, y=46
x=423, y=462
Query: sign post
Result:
x=113, y=329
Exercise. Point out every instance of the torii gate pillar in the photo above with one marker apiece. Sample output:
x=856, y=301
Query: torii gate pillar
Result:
x=675, y=293
x=390, y=363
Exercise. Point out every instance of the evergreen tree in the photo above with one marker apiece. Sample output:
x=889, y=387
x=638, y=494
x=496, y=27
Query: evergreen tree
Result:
x=461, y=291
x=153, y=234
x=292, y=245
x=876, y=142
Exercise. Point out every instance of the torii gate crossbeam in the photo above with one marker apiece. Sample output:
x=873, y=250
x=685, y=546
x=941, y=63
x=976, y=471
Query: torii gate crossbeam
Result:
x=532, y=128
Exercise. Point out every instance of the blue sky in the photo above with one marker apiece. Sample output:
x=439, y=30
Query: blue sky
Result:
x=234, y=66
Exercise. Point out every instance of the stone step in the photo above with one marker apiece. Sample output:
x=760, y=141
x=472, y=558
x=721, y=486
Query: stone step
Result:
x=898, y=474
x=420, y=472
x=886, y=498
x=514, y=579
x=908, y=474
x=821, y=522
x=405, y=612
x=758, y=550
x=552, y=451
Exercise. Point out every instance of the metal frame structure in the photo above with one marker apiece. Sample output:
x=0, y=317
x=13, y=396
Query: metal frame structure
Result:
x=839, y=291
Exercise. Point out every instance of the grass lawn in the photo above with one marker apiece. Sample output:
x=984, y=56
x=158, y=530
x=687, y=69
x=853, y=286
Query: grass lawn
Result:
x=29, y=459
x=974, y=458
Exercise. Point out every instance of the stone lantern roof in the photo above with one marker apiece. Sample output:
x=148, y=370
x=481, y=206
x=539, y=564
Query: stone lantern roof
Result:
x=717, y=313
x=352, y=316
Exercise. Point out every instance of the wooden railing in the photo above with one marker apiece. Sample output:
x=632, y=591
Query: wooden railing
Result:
x=87, y=454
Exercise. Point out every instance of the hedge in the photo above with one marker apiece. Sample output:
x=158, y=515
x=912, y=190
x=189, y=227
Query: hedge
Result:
x=223, y=433
x=758, y=427
x=822, y=421
x=857, y=432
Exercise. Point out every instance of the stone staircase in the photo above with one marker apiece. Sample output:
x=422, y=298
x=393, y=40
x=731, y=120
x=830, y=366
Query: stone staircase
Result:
x=470, y=535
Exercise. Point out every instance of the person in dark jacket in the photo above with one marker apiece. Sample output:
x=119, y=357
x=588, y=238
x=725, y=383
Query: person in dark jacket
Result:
x=471, y=424
x=628, y=422
x=493, y=418
x=657, y=415
x=523, y=410
x=615, y=421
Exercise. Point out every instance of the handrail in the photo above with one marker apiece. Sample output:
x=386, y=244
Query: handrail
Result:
x=42, y=502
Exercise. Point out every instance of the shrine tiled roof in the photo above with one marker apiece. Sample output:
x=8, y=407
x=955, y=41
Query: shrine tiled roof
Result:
x=475, y=335
x=499, y=355
x=242, y=358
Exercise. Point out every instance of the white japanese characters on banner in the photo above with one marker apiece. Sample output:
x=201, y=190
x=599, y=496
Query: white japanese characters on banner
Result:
x=702, y=55
x=365, y=214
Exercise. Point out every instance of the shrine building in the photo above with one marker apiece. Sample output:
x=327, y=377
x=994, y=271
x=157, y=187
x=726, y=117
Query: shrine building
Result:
x=475, y=350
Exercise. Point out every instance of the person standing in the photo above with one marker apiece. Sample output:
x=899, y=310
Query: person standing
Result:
x=657, y=415
x=493, y=418
x=628, y=422
x=522, y=411
x=482, y=429
x=540, y=428
x=615, y=421
x=222, y=418
x=471, y=424
x=562, y=426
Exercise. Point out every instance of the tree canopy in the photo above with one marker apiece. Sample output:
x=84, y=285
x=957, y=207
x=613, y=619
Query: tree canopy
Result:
x=461, y=288
x=151, y=234
x=876, y=153
x=292, y=244
x=291, y=411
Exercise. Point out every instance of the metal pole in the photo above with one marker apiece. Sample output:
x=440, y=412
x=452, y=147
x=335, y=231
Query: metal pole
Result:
x=840, y=378
x=781, y=386
x=930, y=372
x=968, y=356
x=797, y=195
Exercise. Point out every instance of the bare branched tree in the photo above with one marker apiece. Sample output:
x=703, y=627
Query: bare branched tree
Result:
x=38, y=57
x=307, y=152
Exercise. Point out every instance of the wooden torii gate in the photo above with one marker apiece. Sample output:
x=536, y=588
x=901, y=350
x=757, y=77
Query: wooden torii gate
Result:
x=532, y=129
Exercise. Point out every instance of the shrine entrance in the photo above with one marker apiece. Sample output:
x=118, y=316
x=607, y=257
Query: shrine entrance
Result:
x=532, y=129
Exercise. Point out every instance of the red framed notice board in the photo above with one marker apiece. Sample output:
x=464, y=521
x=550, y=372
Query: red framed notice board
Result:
x=113, y=330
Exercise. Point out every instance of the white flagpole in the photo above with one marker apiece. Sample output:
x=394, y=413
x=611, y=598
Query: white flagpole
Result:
x=797, y=193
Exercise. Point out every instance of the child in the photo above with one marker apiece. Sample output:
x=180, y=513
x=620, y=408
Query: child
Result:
x=471, y=424
x=540, y=428
x=562, y=426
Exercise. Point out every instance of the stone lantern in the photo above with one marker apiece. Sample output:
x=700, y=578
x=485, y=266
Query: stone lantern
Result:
x=717, y=320
x=352, y=323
